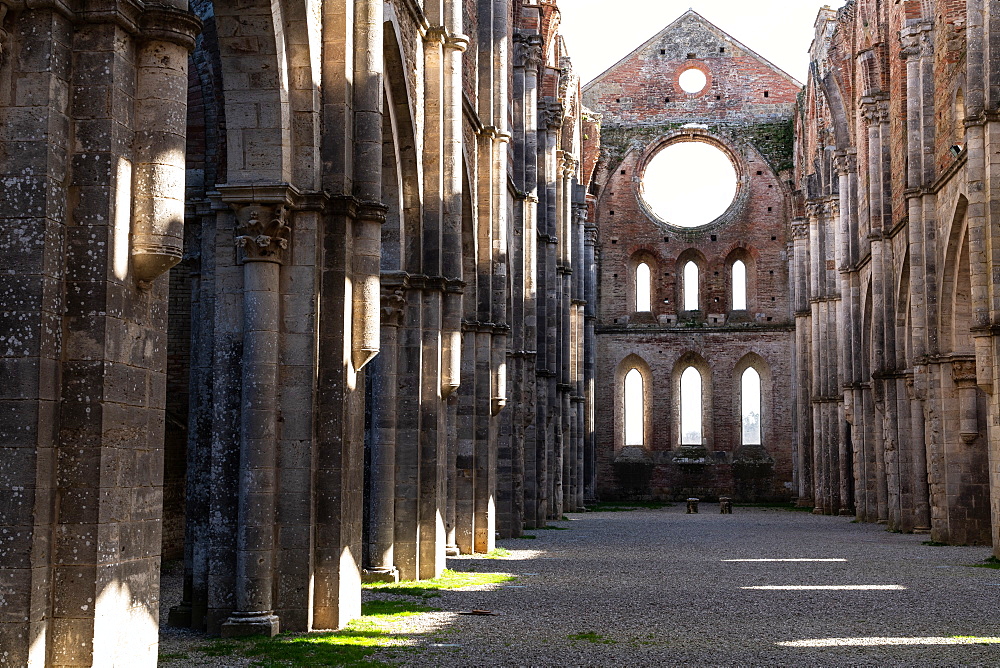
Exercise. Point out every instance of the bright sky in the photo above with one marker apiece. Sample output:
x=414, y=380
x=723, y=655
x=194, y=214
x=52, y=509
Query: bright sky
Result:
x=601, y=32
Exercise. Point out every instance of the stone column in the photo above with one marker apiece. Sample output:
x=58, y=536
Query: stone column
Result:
x=530, y=47
x=917, y=49
x=846, y=165
x=590, y=360
x=803, y=383
x=262, y=239
x=380, y=565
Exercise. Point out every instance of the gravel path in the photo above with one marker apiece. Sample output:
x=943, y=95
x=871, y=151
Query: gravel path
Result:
x=655, y=588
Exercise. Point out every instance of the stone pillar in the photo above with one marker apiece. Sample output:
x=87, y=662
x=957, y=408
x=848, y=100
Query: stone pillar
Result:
x=530, y=49
x=380, y=565
x=803, y=382
x=846, y=165
x=262, y=239
x=920, y=173
x=590, y=360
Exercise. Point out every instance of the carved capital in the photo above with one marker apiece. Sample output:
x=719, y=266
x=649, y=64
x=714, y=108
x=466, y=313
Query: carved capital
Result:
x=262, y=233
x=393, y=305
x=551, y=115
x=963, y=372
x=800, y=228
x=528, y=51
x=917, y=40
x=846, y=162
x=875, y=110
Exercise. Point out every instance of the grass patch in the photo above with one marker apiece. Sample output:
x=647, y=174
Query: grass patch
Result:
x=448, y=580
x=352, y=646
x=991, y=562
x=173, y=656
x=626, y=506
x=551, y=528
x=219, y=648
x=591, y=637
x=497, y=553
x=934, y=543
x=527, y=536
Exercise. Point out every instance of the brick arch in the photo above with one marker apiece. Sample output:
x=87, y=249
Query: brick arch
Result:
x=758, y=363
x=688, y=360
x=627, y=364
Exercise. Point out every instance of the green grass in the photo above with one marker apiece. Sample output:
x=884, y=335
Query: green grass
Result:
x=498, y=553
x=527, y=536
x=173, y=656
x=990, y=562
x=448, y=580
x=551, y=528
x=352, y=646
x=592, y=637
x=626, y=506
x=934, y=543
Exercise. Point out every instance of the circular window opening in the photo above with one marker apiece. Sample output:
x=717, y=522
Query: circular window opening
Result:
x=693, y=80
x=689, y=184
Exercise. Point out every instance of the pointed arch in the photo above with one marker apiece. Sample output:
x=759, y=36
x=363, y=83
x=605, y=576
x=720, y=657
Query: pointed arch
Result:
x=633, y=402
x=752, y=399
x=955, y=318
x=692, y=408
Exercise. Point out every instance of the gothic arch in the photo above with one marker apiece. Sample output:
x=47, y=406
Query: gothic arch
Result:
x=754, y=361
x=630, y=362
x=955, y=318
x=400, y=113
x=694, y=360
x=748, y=256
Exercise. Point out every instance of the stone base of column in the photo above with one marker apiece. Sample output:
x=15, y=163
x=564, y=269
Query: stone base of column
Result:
x=452, y=551
x=377, y=575
x=180, y=616
x=250, y=624
x=803, y=502
x=846, y=512
x=922, y=530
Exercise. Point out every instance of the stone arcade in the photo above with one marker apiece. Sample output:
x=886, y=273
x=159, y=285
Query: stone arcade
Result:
x=312, y=293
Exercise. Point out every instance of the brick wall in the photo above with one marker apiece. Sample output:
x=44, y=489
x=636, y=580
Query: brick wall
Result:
x=644, y=110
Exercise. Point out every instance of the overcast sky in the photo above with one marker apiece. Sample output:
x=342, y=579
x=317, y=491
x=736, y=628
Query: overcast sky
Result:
x=601, y=32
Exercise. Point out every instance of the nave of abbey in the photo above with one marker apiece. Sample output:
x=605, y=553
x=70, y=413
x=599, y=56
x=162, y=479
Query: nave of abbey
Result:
x=306, y=295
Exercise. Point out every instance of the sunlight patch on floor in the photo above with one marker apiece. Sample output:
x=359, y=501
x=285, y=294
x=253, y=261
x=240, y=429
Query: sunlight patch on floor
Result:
x=782, y=560
x=871, y=642
x=829, y=587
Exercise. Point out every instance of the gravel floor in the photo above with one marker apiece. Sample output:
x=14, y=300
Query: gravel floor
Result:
x=654, y=588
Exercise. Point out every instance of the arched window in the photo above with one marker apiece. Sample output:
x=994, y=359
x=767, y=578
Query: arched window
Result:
x=751, y=407
x=691, y=407
x=691, y=287
x=739, y=286
x=643, y=288
x=635, y=414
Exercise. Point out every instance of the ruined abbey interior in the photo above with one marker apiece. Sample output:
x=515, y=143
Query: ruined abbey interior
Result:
x=311, y=294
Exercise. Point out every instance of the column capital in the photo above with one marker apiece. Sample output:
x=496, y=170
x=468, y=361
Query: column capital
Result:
x=917, y=40
x=528, y=51
x=846, y=162
x=875, y=109
x=262, y=233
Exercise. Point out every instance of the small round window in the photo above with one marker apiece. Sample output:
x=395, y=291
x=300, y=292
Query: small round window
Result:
x=693, y=80
x=689, y=184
